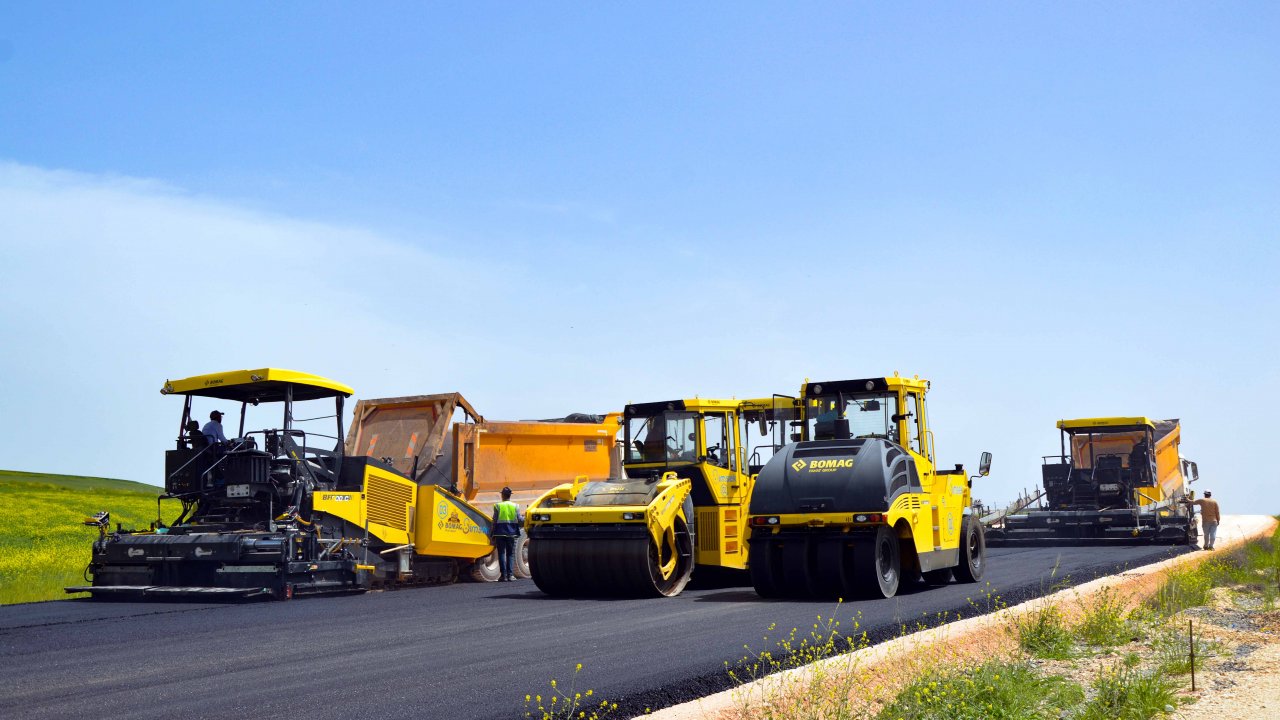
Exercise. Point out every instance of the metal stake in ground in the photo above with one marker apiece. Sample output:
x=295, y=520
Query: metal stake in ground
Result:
x=1191, y=640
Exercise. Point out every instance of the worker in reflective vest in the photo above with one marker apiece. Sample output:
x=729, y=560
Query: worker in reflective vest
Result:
x=506, y=529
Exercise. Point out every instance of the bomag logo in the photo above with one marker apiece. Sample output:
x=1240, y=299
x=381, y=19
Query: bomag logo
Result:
x=454, y=522
x=818, y=466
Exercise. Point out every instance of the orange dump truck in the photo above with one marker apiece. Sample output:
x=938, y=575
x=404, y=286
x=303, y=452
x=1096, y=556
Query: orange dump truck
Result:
x=442, y=440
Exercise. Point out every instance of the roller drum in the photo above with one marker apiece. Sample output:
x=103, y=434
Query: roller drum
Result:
x=609, y=563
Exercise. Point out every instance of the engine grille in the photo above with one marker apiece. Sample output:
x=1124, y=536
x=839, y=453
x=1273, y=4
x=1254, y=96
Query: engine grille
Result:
x=388, y=502
x=903, y=504
x=708, y=537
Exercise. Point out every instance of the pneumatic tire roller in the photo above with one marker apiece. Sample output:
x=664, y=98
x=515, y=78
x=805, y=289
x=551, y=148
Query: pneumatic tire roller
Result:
x=850, y=518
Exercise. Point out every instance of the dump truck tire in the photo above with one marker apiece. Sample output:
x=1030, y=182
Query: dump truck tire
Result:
x=973, y=551
x=877, y=565
x=486, y=569
x=520, y=562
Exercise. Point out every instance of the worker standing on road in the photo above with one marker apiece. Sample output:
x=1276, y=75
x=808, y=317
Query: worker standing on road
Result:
x=1210, y=516
x=506, y=529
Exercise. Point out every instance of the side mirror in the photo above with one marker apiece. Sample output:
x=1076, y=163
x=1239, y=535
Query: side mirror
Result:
x=984, y=465
x=764, y=426
x=871, y=406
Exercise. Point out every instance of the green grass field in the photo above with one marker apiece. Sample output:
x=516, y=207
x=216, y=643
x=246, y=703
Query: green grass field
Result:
x=43, y=544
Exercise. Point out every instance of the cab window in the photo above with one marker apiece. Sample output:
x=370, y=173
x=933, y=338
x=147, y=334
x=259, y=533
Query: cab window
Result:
x=717, y=444
x=915, y=440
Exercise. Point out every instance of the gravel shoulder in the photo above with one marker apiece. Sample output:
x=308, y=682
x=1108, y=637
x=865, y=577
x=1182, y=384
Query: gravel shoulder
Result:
x=1242, y=681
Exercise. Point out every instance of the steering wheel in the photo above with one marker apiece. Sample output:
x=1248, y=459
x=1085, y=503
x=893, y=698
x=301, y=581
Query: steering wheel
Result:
x=674, y=451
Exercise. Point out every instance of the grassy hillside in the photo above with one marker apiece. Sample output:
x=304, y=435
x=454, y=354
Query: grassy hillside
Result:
x=43, y=545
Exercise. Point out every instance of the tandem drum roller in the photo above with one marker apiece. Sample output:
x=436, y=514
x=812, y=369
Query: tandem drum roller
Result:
x=614, y=538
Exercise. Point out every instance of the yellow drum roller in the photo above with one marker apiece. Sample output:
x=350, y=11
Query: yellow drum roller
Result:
x=621, y=537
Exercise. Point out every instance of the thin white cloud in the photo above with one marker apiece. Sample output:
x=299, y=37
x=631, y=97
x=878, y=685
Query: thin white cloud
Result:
x=110, y=285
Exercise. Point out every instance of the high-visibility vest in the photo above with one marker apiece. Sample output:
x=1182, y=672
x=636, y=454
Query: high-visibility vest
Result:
x=508, y=522
x=508, y=511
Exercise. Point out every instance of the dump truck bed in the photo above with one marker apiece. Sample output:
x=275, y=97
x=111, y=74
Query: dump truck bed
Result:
x=442, y=440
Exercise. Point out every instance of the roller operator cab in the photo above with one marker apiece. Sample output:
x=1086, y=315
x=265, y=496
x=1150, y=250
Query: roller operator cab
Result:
x=681, y=503
x=858, y=503
x=278, y=508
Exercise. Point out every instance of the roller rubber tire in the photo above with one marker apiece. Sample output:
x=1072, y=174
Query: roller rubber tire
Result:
x=829, y=558
x=973, y=551
x=877, y=565
x=761, y=562
x=799, y=575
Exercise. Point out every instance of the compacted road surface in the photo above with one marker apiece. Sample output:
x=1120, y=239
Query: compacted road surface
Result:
x=460, y=651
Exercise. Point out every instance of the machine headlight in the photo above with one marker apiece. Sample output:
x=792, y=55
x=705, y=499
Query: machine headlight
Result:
x=765, y=520
x=541, y=517
x=632, y=516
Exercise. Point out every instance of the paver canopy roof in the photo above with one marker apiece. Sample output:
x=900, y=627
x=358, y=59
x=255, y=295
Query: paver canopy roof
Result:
x=1108, y=422
x=262, y=385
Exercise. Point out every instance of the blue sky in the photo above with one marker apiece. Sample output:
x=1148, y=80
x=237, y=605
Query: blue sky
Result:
x=1051, y=210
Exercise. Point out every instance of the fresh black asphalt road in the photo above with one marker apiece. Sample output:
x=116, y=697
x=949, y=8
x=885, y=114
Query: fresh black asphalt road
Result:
x=459, y=651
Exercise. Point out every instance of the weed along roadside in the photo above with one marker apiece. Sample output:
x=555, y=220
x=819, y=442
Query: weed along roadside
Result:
x=1114, y=647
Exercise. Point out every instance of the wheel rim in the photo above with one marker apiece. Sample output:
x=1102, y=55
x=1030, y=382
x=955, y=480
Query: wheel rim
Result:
x=975, y=550
x=884, y=562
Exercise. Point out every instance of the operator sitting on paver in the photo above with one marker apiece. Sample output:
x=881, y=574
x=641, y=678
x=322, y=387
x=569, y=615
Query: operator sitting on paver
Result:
x=506, y=528
x=1210, y=516
x=213, y=428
